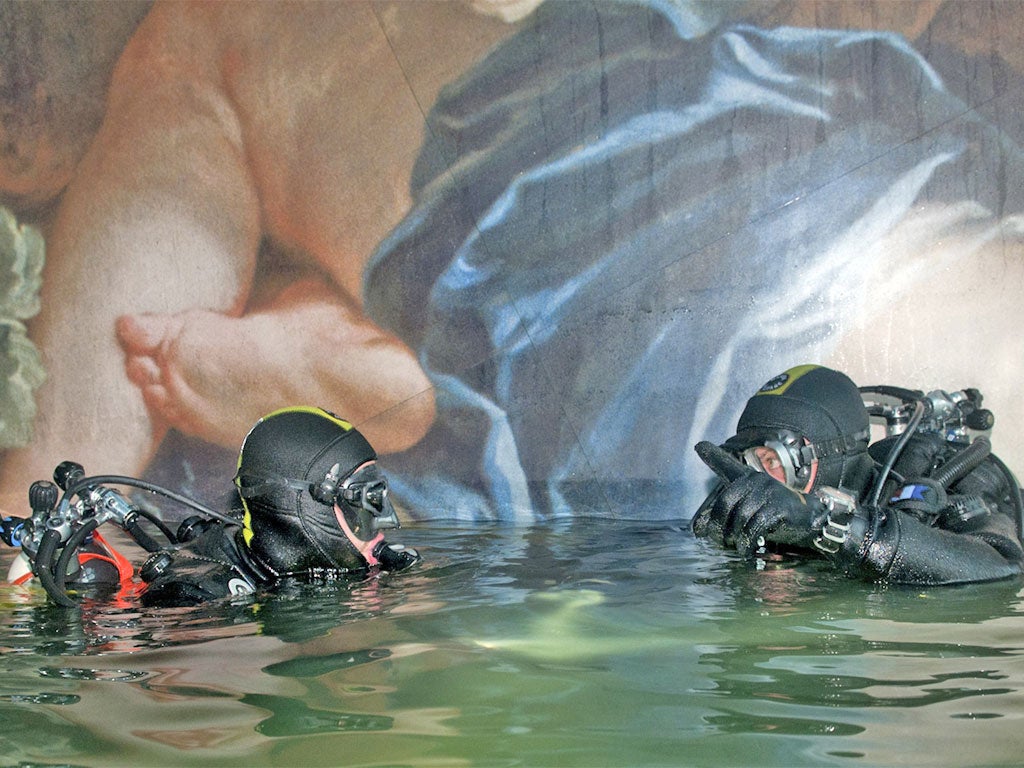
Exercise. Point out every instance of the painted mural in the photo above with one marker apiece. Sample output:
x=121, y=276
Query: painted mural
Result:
x=535, y=251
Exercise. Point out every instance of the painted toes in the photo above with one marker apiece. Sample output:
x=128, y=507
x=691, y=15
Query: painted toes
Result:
x=144, y=334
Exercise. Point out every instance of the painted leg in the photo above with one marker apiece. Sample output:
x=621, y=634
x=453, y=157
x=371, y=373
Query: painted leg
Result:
x=161, y=217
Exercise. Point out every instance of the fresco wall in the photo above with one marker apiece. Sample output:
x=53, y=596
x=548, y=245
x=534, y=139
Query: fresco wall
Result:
x=533, y=251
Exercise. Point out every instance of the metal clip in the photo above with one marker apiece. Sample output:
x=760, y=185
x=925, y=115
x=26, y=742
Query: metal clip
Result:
x=841, y=507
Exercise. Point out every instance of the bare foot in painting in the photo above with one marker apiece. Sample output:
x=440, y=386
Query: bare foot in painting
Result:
x=212, y=375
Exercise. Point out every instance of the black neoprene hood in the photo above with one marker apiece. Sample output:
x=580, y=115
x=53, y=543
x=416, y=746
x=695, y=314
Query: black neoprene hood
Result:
x=286, y=529
x=302, y=444
x=814, y=402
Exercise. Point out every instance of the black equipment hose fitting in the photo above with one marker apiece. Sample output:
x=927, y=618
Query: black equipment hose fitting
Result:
x=60, y=573
x=43, y=569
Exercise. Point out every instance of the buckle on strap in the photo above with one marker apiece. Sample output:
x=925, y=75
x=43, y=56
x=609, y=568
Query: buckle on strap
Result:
x=841, y=507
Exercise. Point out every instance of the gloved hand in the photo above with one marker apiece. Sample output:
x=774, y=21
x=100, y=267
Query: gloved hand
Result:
x=395, y=557
x=751, y=506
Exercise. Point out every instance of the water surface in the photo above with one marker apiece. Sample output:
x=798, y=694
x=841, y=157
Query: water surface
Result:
x=578, y=644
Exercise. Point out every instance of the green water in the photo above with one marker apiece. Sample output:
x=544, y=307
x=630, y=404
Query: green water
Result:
x=591, y=644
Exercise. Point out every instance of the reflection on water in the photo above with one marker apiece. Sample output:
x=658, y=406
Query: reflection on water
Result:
x=588, y=643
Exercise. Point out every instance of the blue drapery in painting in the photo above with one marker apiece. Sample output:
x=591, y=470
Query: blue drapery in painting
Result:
x=622, y=227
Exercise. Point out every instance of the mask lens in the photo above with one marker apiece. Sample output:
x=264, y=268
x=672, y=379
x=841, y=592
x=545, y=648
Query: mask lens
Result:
x=778, y=457
x=755, y=458
x=368, y=490
x=373, y=496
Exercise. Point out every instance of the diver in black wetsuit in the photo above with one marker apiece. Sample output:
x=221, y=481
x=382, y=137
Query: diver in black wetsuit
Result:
x=925, y=505
x=314, y=505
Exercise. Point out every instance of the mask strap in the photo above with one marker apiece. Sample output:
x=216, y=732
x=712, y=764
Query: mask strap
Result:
x=249, y=486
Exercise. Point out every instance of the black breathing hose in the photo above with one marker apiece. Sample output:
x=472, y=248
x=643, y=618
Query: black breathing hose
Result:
x=968, y=459
x=900, y=393
x=60, y=571
x=43, y=565
x=85, y=482
x=167, y=532
x=897, y=449
x=142, y=538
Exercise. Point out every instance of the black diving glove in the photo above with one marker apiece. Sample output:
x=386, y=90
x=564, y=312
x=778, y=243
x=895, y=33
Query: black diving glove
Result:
x=750, y=509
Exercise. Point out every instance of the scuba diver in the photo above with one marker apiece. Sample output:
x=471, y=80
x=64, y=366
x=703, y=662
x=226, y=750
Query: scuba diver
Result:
x=313, y=505
x=928, y=504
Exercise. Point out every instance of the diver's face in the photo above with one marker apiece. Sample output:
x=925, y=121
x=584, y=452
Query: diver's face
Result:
x=770, y=462
x=768, y=458
x=364, y=502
